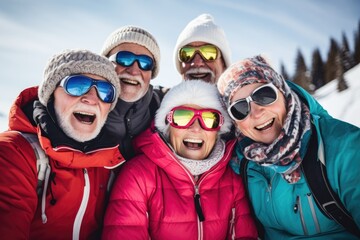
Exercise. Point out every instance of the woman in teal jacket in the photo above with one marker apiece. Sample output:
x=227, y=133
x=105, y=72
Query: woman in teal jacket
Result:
x=275, y=122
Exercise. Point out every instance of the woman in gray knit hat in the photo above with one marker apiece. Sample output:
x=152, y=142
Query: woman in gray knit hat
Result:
x=55, y=161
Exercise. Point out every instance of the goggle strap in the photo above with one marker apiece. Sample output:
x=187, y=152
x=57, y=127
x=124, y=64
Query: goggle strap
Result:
x=169, y=117
x=222, y=120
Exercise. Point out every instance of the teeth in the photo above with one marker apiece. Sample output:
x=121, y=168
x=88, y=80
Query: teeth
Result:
x=265, y=124
x=193, y=140
x=85, y=113
x=201, y=75
x=134, y=82
x=84, y=117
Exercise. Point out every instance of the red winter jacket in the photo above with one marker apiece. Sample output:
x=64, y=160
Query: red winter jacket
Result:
x=153, y=197
x=75, y=197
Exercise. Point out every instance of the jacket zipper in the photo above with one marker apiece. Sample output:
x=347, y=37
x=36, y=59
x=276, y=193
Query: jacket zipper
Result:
x=198, y=208
x=311, y=204
x=198, y=205
x=197, y=194
x=298, y=208
x=232, y=222
x=81, y=212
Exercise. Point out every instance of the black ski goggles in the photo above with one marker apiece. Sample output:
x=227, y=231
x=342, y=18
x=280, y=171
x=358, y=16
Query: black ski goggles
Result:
x=264, y=95
x=78, y=85
x=127, y=59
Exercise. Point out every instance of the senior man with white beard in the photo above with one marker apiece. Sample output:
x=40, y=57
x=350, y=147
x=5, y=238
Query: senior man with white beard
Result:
x=136, y=57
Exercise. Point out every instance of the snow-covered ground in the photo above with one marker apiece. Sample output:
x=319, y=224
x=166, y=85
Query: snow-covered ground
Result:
x=343, y=105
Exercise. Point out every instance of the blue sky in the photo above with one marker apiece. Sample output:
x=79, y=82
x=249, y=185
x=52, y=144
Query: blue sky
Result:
x=32, y=31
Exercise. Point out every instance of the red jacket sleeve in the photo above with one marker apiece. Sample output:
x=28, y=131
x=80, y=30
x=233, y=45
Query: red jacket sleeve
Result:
x=18, y=179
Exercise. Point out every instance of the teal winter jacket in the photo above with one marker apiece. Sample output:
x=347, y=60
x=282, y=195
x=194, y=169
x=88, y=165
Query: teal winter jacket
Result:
x=288, y=211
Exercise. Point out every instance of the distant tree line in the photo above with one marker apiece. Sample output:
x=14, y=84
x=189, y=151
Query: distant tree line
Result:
x=339, y=60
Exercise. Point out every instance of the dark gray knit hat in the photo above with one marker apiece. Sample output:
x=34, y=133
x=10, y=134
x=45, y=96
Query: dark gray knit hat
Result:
x=71, y=62
x=133, y=34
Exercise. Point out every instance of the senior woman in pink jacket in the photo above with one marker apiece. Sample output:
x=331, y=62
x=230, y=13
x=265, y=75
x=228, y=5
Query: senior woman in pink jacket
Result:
x=180, y=186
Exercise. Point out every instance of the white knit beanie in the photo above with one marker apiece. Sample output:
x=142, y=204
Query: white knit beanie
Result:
x=71, y=62
x=195, y=92
x=133, y=34
x=203, y=29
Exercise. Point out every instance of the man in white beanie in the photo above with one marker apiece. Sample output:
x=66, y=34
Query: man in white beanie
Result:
x=55, y=161
x=202, y=51
x=136, y=57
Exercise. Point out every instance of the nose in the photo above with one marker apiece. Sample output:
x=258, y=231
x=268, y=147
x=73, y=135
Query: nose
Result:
x=134, y=69
x=256, y=110
x=195, y=126
x=197, y=60
x=91, y=96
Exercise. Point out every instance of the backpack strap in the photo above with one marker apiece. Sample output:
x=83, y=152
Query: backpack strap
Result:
x=43, y=170
x=325, y=197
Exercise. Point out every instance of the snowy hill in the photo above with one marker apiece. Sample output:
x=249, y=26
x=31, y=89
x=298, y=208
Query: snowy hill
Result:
x=344, y=105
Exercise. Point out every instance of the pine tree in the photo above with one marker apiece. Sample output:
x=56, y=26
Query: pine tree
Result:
x=347, y=61
x=302, y=76
x=356, y=55
x=331, y=66
x=342, y=85
x=317, y=69
x=284, y=72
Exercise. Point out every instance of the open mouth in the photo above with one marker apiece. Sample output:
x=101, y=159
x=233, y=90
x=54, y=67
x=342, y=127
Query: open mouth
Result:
x=129, y=81
x=265, y=125
x=199, y=75
x=87, y=118
x=193, y=143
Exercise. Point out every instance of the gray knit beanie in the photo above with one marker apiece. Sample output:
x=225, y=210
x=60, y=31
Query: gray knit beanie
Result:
x=71, y=62
x=133, y=34
x=203, y=29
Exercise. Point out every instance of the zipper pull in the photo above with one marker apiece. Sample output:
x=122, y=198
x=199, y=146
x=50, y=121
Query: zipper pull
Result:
x=197, y=205
x=296, y=205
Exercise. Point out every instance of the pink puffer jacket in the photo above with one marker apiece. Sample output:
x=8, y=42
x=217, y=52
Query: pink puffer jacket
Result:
x=154, y=197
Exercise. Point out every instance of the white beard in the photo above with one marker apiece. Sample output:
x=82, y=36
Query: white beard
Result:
x=77, y=135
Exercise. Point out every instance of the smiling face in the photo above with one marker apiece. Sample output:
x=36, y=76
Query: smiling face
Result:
x=134, y=82
x=264, y=123
x=198, y=68
x=81, y=118
x=194, y=142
